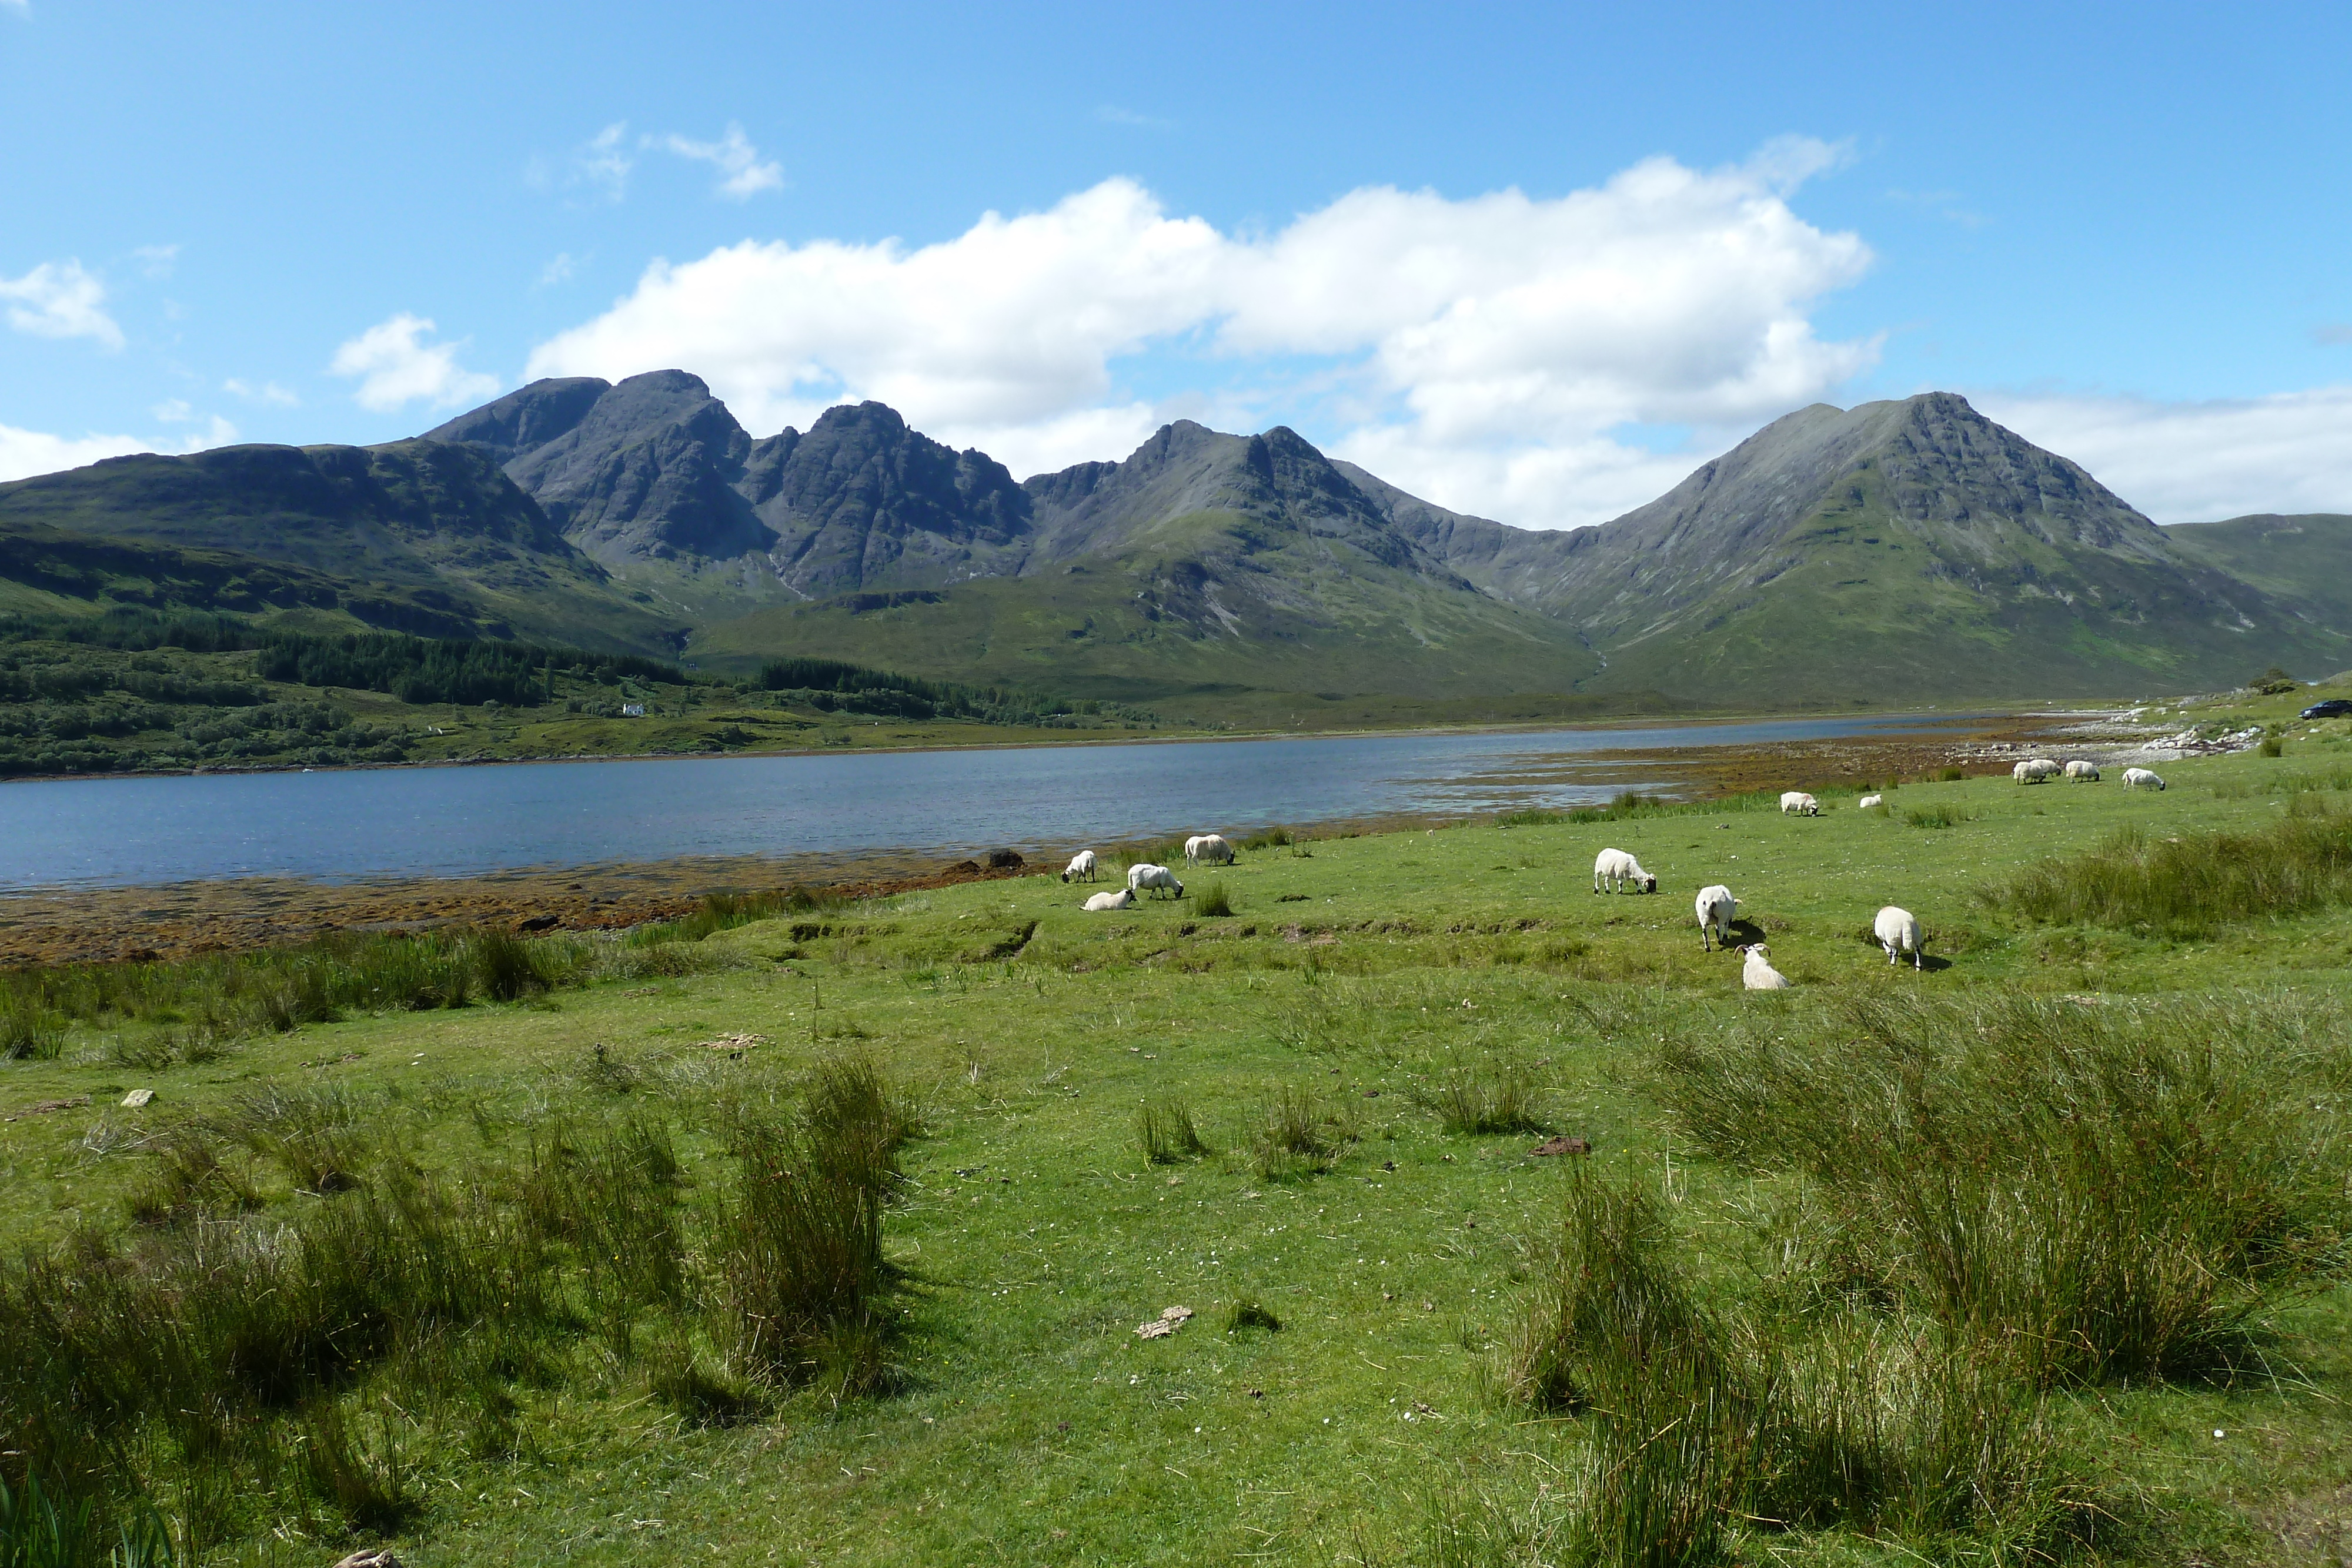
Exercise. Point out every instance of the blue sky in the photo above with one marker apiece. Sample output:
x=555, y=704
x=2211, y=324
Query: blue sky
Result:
x=1532, y=262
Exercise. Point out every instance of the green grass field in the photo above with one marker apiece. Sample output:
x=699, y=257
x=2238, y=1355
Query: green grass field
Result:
x=1334, y=1043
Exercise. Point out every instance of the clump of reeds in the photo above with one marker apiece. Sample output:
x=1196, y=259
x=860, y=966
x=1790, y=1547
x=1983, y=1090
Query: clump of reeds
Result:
x=1249, y=1312
x=610, y=1195
x=1295, y=1135
x=1164, y=1128
x=28, y=1030
x=1937, y=816
x=1485, y=1096
x=1267, y=839
x=805, y=1290
x=2106, y=1191
x=2187, y=884
x=1213, y=901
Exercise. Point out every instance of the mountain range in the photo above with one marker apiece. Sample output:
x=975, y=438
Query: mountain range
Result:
x=1898, y=551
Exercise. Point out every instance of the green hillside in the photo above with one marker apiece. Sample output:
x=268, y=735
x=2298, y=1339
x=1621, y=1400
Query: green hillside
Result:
x=2306, y=561
x=1154, y=622
x=413, y=521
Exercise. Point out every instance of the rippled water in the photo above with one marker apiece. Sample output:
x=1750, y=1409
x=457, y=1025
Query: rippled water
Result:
x=454, y=821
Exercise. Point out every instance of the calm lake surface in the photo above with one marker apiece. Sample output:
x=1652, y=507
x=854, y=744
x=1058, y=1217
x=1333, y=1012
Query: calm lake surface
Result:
x=461, y=821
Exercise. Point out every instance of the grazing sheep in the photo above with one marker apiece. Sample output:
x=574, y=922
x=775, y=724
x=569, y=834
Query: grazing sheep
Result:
x=2035, y=770
x=1081, y=867
x=1123, y=899
x=1146, y=878
x=1867, y=801
x=1210, y=847
x=1756, y=973
x=2083, y=772
x=1803, y=804
x=1898, y=932
x=1716, y=909
x=1616, y=866
x=2141, y=779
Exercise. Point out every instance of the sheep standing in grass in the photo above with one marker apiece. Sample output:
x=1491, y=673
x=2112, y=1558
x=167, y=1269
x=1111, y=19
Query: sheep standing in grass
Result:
x=1148, y=878
x=1756, y=973
x=1616, y=866
x=2035, y=770
x=1081, y=867
x=1208, y=848
x=1898, y=932
x=1801, y=803
x=2141, y=779
x=1867, y=801
x=2082, y=772
x=1123, y=899
x=1717, y=908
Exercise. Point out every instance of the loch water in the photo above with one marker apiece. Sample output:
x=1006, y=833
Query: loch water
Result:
x=342, y=825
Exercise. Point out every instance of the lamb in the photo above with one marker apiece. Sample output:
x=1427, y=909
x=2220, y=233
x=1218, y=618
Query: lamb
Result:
x=1210, y=847
x=1756, y=973
x=2082, y=772
x=1867, y=801
x=1081, y=867
x=2141, y=779
x=2035, y=770
x=1123, y=899
x=1616, y=866
x=1898, y=932
x=1716, y=908
x=1803, y=804
x=1146, y=878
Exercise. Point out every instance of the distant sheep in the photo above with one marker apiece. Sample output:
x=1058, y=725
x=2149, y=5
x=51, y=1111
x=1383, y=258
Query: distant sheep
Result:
x=1803, y=804
x=1081, y=867
x=2141, y=779
x=1898, y=932
x=1147, y=878
x=2035, y=770
x=1123, y=899
x=1616, y=866
x=1756, y=973
x=1210, y=847
x=1867, y=801
x=1716, y=909
x=2083, y=772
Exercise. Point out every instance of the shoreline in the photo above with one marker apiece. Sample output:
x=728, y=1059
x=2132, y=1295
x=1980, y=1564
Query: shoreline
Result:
x=1184, y=738
x=146, y=921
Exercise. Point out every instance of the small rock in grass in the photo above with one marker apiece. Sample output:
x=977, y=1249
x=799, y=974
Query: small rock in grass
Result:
x=137, y=1098
x=1166, y=1324
x=376, y=1557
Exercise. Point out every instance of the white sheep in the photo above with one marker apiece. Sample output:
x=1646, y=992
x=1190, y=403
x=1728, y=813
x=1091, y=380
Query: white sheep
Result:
x=1123, y=899
x=1616, y=866
x=1209, y=847
x=2035, y=770
x=1716, y=909
x=1081, y=867
x=1898, y=932
x=2082, y=772
x=2141, y=779
x=1867, y=801
x=1756, y=973
x=1797, y=801
x=1146, y=877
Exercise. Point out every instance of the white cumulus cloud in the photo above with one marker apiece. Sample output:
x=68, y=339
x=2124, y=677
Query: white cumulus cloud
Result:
x=25, y=452
x=1480, y=351
x=395, y=367
x=59, y=299
x=742, y=174
x=2200, y=462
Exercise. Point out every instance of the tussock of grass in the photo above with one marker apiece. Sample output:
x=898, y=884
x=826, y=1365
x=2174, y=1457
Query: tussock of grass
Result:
x=1296, y=1135
x=1213, y=901
x=804, y=1290
x=1164, y=1128
x=2190, y=884
x=1251, y=1313
x=726, y=911
x=1937, y=816
x=1474, y=1097
x=2106, y=1192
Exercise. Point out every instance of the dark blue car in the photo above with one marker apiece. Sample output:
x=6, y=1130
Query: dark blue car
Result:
x=2334, y=707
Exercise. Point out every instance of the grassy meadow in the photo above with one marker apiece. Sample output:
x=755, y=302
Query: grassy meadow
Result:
x=820, y=1233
